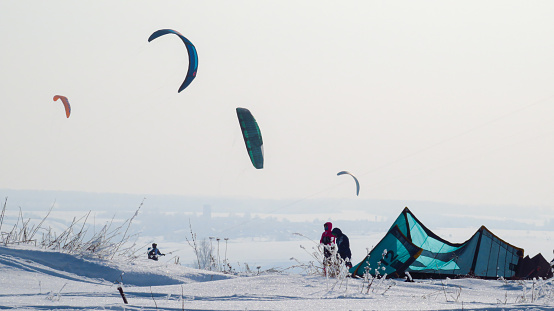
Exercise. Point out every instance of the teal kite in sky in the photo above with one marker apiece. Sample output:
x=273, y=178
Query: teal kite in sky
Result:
x=193, y=57
x=252, y=137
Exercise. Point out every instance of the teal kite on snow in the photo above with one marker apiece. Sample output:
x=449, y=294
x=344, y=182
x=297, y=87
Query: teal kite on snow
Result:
x=411, y=248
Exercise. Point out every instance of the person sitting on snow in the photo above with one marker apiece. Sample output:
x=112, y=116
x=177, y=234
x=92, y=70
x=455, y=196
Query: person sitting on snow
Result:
x=153, y=252
x=343, y=245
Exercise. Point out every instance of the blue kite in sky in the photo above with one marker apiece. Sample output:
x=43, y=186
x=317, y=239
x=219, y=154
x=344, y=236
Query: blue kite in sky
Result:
x=193, y=57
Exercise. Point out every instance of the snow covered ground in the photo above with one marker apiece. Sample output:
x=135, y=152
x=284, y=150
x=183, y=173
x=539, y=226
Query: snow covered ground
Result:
x=33, y=279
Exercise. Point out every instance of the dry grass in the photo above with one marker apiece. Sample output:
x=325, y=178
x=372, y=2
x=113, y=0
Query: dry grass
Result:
x=108, y=242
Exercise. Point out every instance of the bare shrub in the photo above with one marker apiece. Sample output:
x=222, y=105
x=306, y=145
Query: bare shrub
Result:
x=106, y=243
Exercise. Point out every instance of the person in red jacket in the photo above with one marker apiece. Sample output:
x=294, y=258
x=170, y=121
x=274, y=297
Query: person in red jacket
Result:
x=327, y=238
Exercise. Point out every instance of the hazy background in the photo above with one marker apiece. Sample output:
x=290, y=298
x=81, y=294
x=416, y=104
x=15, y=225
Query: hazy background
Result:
x=424, y=100
x=263, y=231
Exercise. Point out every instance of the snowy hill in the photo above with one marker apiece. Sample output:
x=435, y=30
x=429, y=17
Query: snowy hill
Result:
x=33, y=279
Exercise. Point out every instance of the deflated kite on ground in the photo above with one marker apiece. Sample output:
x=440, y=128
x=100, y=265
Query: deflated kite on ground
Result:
x=252, y=137
x=411, y=247
x=65, y=104
x=193, y=57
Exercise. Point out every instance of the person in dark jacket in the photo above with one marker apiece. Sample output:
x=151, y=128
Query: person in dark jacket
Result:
x=327, y=238
x=153, y=252
x=343, y=245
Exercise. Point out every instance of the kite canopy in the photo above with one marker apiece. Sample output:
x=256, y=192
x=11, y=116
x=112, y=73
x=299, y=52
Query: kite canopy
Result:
x=193, y=57
x=355, y=179
x=65, y=104
x=410, y=247
x=252, y=137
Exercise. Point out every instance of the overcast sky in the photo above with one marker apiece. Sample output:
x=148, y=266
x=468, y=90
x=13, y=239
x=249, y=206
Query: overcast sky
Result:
x=421, y=100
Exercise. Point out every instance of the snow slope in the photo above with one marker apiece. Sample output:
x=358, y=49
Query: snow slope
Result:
x=33, y=279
